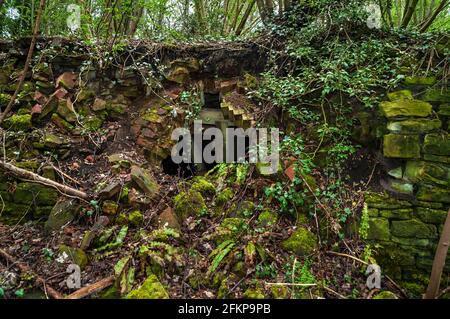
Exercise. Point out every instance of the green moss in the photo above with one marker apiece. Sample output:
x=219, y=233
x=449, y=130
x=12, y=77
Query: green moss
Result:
x=4, y=99
x=189, y=204
x=414, y=126
x=420, y=80
x=150, y=289
x=404, y=213
x=431, y=216
x=224, y=197
x=302, y=242
x=18, y=122
x=279, y=291
x=378, y=229
x=30, y=193
x=401, y=146
x=437, y=144
x=203, y=186
x=250, y=293
x=406, y=108
x=429, y=172
x=384, y=201
x=413, y=228
x=400, y=95
x=136, y=218
x=437, y=95
x=110, y=208
x=152, y=116
x=429, y=193
x=267, y=218
x=385, y=295
x=93, y=122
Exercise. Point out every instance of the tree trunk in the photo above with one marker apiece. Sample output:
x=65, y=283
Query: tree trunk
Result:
x=409, y=11
x=244, y=19
x=429, y=21
x=27, y=63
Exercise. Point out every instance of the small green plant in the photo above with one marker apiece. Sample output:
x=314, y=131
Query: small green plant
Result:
x=364, y=223
x=48, y=254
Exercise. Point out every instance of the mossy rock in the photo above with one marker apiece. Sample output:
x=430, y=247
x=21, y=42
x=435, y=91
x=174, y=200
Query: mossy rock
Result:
x=384, y=201
x=401, y=187
x=400, y=95
x=430, y=193
x=18, y=122
x=267, y=218
x=244, y=209
x=401, y=146
x=251, y=293
x=203, y=186
x=401, y=214
x=224, y=197
x=61, y=214
x=413, y=228
x=302, y=242
x=385, y=295
x=406, y=108
x=420, y=80
x=428, y=172
x=414, y=126
x=437, y=144
x=145, y=180
x=444, y=110
x=110, y=207
x=76, y=255
x=279, y=292
x=150, y=289
x=92, y=122
x=136, y=218
x=437, y=95
x=378, y=229
x=189, y=204
x=431, y=216
x=35, y=194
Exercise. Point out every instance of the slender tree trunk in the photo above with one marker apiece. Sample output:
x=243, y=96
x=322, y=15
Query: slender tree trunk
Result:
x=27, y=63
x=429, y=21
x=409, y=12
x=244, y=19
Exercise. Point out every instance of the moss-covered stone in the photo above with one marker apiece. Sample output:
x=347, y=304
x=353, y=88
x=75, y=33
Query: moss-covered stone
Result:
x=405, y=108
x=437, y=95
x=414, y=126
x=61, y=214
x=267, y=218
x=76, y=255
x=250, y=293
x=150, y=289
x=302, y=242
x=224, y=197
x=136, y=218
x=401, y=146
x=378, y=229
x=401, y=187
x=400, y=95
x=429, y=172
x=412, y=242
x=437, y=144
x=92, y=122
x=444, y=110
x=413, y=228
x=385, y=295
x=189, y=204
x=420, y=80
x=203, y=186
x=384, y=201
x=279, y=291
x=405, y=213
x=430, y=193
x=144, y=180
x=18, y=122
x=431, y=216
x=35, y=194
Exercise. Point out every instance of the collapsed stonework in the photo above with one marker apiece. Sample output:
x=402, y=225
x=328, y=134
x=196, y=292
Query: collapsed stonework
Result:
x=67, y=102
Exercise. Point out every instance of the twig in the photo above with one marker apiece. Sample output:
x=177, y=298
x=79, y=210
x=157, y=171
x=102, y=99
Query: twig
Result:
x=96, y=287
x=25, y=269
x=21, y=173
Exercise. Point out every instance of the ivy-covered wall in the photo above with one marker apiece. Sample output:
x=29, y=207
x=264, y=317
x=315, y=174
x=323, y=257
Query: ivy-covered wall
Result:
x=406, y=220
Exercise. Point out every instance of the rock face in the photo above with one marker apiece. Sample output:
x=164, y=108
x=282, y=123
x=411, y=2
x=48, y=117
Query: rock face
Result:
x=61, y=214
x=418, y=137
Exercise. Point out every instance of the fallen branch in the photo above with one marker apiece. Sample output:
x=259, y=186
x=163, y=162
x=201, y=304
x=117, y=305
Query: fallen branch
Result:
x=96, y=287
x=24, y=174
x=25, y=269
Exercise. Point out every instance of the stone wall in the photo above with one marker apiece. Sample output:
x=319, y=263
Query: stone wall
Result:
x=406, y=220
